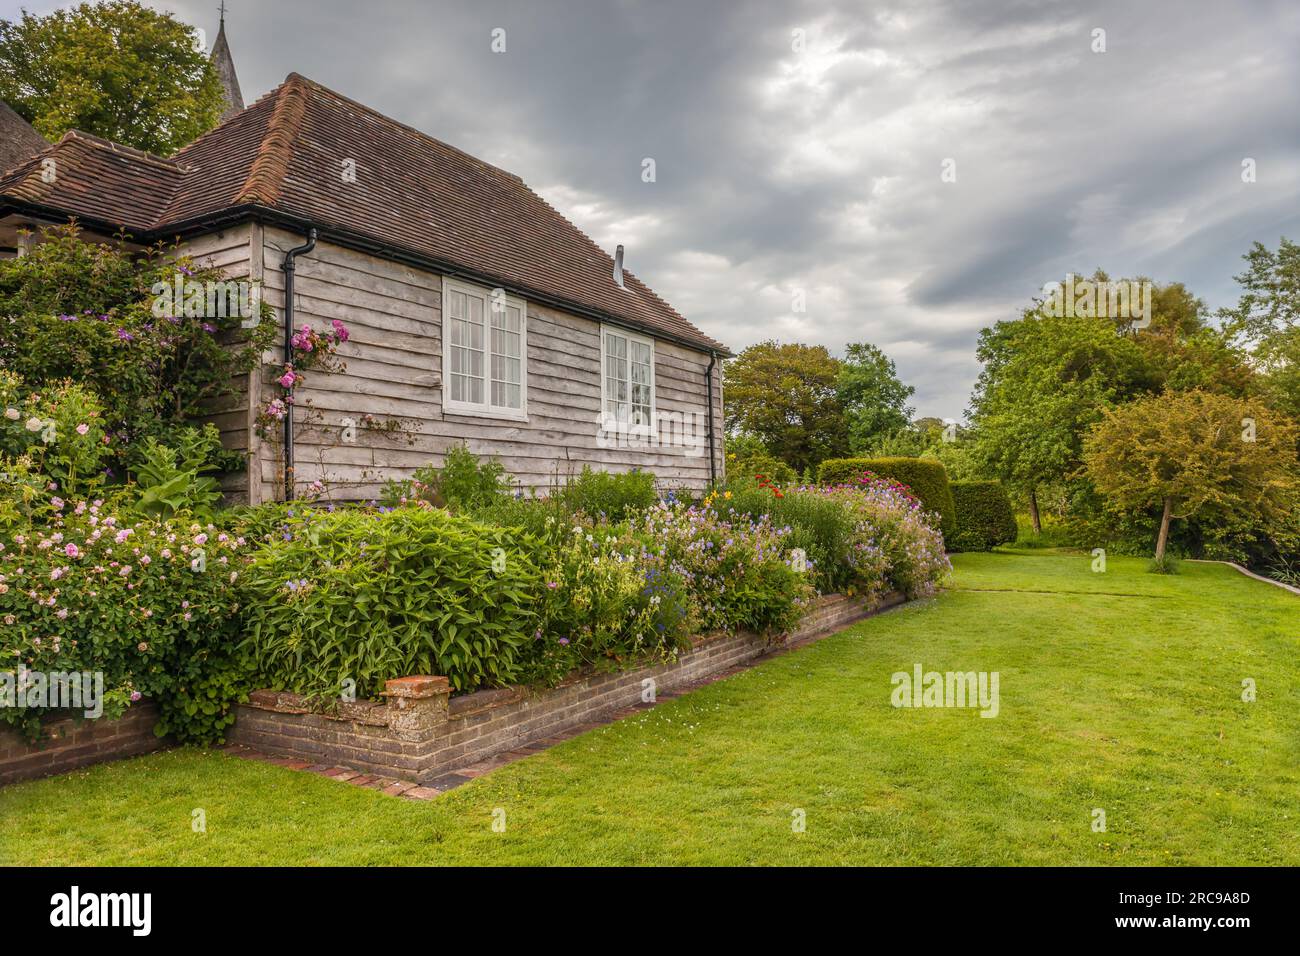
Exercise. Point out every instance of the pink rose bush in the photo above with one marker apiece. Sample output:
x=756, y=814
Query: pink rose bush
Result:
x=312, y=349
x=86, y=591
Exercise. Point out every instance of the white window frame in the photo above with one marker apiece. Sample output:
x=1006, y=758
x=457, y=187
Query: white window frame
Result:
x=650, y=428
x=484, y=409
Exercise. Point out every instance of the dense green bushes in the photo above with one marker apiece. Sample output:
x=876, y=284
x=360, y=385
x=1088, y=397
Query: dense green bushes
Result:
x=88, y=312
x=364, y=597
x=615, y=496
x=984, y=516
x=926, y=478
x=153, y=606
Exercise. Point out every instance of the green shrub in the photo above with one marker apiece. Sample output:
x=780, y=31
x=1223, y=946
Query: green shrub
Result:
x=739, y=570
x=171, y=479
x=615, y=496
x=88, y=312
x=604, y=603
x=153, y=606
x=984, y=516
x=544, y=520
x=462, y=484
x=927, y=479
x=747, y=459
x=57, y=432
x=353, y=595
x=822, y=528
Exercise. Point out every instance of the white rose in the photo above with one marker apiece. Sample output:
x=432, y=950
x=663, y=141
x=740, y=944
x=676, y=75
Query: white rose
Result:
x=11, y=414
x=33, y=424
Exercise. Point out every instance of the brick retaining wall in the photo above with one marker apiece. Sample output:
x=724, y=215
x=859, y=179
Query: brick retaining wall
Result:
x=420, y=732
x=73, y=743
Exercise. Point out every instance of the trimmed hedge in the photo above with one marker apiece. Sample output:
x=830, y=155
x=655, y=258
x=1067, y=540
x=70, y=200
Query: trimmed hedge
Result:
x=984, y=516
x=927, y=478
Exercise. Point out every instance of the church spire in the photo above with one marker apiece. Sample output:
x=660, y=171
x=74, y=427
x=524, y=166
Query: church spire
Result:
x=225, y=64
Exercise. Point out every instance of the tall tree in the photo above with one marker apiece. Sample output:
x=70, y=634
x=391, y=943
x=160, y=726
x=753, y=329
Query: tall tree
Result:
x=786, y=396
x=1046, y=379
x=873, y=397
x=1190, y=453
x=118, y=70
x=1266, y=320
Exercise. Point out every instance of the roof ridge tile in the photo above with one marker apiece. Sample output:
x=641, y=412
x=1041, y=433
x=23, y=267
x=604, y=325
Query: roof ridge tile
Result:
x=267, y=172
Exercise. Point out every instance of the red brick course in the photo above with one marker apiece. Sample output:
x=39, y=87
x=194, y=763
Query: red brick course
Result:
x=71, y=743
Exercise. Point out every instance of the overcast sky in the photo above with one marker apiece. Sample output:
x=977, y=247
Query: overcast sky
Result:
x=819, y=169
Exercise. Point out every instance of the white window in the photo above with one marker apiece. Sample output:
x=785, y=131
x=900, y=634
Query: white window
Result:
x=484, y=352
x=628, y=370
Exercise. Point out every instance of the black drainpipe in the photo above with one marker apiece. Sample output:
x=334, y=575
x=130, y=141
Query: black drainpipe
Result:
x=288, y=267
x=708, y=383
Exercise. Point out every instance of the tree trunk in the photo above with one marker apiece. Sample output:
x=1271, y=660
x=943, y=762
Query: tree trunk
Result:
x=1033, y=511
x=1163, y=539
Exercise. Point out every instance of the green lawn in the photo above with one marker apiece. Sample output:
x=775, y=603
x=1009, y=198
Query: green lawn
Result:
x=1119, y=691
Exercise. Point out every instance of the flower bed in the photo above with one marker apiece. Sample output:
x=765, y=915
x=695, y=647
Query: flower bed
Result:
x=332, y=603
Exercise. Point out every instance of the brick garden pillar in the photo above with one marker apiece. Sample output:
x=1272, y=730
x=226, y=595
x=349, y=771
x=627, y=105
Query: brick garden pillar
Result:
x=417, y=706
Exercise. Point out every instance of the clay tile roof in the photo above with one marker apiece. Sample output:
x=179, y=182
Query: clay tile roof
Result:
x=412, y=193
x=95, y=178
x=18, y=140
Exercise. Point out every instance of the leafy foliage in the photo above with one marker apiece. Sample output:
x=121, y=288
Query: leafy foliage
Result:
x=359, y=596
x=874, y=400
x=1195, y=453
x=463, y=483
x=747, y=458
x=154, y=606
x=787, y=396
x=615, y=496
x=984, y=518
x=859, y=539
x=1266, y=321
x=85, y=311
x=170, y=481
x=53, y=439
x=118, y=70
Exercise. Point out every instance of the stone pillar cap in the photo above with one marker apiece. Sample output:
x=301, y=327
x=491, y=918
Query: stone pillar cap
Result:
x=416, y=686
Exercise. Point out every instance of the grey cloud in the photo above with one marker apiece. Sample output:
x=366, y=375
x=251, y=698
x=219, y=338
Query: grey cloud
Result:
x=778, y=172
